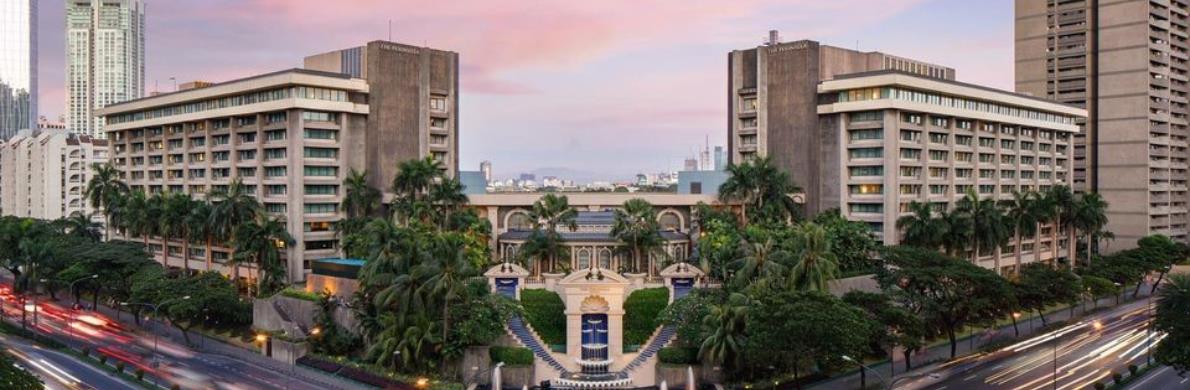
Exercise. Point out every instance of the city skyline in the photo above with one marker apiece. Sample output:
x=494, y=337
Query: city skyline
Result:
x=584, y=98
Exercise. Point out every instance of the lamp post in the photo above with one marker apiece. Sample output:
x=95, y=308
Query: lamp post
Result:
x=35, y=310
x=862, y=367
x=155, y=309
x=70, y=323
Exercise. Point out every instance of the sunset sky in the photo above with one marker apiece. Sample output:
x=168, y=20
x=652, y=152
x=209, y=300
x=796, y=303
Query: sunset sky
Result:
x=607, y=87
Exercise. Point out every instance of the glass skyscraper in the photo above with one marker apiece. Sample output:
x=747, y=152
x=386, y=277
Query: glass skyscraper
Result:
x=18, y=66
x=105, y=59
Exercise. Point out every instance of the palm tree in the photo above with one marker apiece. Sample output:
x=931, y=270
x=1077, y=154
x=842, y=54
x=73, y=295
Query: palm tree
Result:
x=199, y=229
x=635, y=225
x=260, y=243
x=79, y=224
x=448, y=271
x=1063, y=206
x=175, y=207
x=414, y=178
x=231, y=208
x=138, y=216
x=104, y=190
x=816, y=261
x=742, y=186
x=1090, y=217
x=1047, y=214
x=758, y=184
x=956, y=231
x=550, y=212
x=989, y=230
x=359, y=199
x=1023, y=216
x=759, y=260
x=447, y=196
x=920, y=228
x=726, y=342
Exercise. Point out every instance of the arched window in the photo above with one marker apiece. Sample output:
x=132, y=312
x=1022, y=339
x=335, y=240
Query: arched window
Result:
x=519, y=221
x=605, y=258
x=669, y=221
x=584, y=258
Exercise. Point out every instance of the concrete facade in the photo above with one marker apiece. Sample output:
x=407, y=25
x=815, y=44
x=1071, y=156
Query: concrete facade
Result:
x=105, y=59
x=1126, y=63
x=45, y=176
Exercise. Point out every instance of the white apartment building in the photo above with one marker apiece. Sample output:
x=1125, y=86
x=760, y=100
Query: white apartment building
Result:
x=45, y=176
x=105, y=59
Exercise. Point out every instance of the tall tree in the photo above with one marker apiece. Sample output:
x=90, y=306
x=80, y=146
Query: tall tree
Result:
x=725, y=325
x=1062, y=203
x=1090, y=217
x=200, y=229
x=230, y=208
x=359, y=199
x=105, y=190
x=548, y=214
x=759, y=260
x=815, y=261
x=758, y=186
x=920, y=228
x=447, y=198
x=989, y=230
x=79, y=224
x=894, y=326
x=1023, y=215
x=635, y=225
x=792, y=330
x=448, y=270
x=260, y=243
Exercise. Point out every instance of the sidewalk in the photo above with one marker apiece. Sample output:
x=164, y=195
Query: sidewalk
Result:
x=966, y=345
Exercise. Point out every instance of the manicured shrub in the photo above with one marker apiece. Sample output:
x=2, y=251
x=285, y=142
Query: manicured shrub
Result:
x=140, y=374
x=1100, y=386
x=545, y=312
x=513, y=356
x=1116, y=377
x=319, y=364
x=678, y=355
x=102, y=359
x=641, y=314
x=120, y=367
x=1132, y=369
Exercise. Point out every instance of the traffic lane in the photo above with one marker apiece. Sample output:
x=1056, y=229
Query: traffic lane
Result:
x=1088, y=352
x=1161, y=378
x=62, y=371
x=230, y=373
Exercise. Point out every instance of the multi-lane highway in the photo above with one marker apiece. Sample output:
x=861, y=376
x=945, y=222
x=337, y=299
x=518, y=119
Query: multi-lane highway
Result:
x=172, y=363
x=60, y=371
x=1072, y=357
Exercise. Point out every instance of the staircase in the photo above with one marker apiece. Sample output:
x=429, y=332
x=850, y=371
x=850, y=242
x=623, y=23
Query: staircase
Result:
x=523, y=334
x=659, y=341
x=291, y=327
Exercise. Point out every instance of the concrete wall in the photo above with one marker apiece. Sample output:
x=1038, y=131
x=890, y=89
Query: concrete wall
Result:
x=675, y=376
x=516, y=376
x=265, y=316
x=288, y=352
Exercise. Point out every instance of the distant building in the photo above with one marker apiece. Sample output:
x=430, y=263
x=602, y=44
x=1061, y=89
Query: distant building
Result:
x=44, y=124
x=700, y=182
x=45, y=176
x=691, y=165
x=528, y=177
x=719, y=157
x=105, y=59
x=473, y=182
x=194, y=85
x=18, y=66
x=486, y=169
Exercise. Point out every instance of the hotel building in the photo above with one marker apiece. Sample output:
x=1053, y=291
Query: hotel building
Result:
x=1126, y=63
x=291, y=137
x=869, y=133
x=45, y=176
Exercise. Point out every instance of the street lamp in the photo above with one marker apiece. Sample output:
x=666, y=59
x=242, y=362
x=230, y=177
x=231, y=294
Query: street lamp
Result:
x=862, y=367
x=70, y=323
x=35, y=310
x=155, y=309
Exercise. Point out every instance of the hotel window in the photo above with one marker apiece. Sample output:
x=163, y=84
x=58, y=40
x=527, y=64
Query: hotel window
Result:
x=175, y=159
x=321, y=226
x=274, y=172
x=962, y=124
x=245, y=121
x=1026, y=145
x=938, y=173
x=246, y=172
x=274, y=135
x=320, y=208
x=274, y=117
x=988, y=127
x=319, y=116
x=860, y=94
x=745, y=123
x=938, y=138
x=220, y=173
x=1027, y=175
x=220, y=140
x=1028, y=160
x=155, y=131
x=198, y=157
x=1008, y=130
x=156, y=160
x=987, y=189
x=938, y=155
x=322, y=134
x=438, y=103
x=436, y=139
x=861, y=153
x=1006, y=174
x=1007, y=188
x=911, y=154
x=245, y=155
x=156, y=145
x=175, y=144
x=1046, y=161
x=321, y=171
x=1007, y=159
x=910, y=189
x=1061, y=149
x=1045, y=175
x=936, y=189
x=321, y=153
x=274, y=154
x=438, y=123
x=247, y=138
x=749, y=104
x=963, y=156
x=987, y=173
x=987, y=142
x=320, y=245
x=198, y=173
x=220, y=156
x=963, y=173
x=1044, y=147
x=1007, y=144
x=941, y=122
x=911, y=172
x=322, y=189
x=275, y=207
x=866, y=116
x=220, y=124
x=867, y=171
x=198, y=142
x=911, y=136
x=867, y=134
x=866, y=189
x=275, y=189
x=866, y=208
x=962, y=140
x=987, y=158
x=911, y=118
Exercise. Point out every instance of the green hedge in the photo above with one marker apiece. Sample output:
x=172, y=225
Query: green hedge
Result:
x=300, y=294
x=678, y=355
x=513, y=356
x=641, y=313
x=546, y=312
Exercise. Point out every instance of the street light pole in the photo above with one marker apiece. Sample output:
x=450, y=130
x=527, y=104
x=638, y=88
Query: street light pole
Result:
x=35, y=309
x=155, y=309
x=70, y=323
x=862, y=367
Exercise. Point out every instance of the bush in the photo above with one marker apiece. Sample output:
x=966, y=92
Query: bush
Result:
x=175, y=387
x=513, y=356
x=102, y=359
x=300, y=294
x=1100, y=386
x=641, y=313
x=86, y=351
x=120, y=367
x=546, y=313
x=319, y=364
x=678, y=355
x=140, y=374
x=1132, y=369
x=1116, y=377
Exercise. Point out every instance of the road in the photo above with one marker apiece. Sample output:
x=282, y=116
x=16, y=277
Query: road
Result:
x=173, y=363
x=1086, y=352
x=1161, y=378
x=60, y=371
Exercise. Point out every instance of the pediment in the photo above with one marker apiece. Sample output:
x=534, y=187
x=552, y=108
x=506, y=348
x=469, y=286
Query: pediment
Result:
x=597, y=276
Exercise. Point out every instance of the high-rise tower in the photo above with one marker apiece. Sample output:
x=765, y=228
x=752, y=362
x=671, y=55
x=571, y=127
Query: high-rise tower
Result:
x=18, y=66
x=105, y=59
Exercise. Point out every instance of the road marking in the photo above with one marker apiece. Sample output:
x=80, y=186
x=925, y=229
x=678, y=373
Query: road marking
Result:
x=1149, y=377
